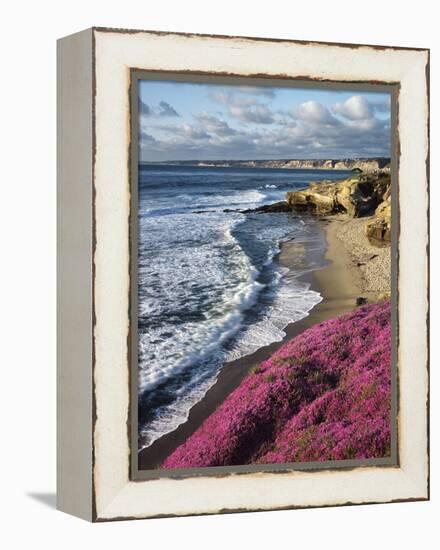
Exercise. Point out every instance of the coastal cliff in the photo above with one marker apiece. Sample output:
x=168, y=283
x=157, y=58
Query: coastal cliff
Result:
x=324, y=395
x=362, y=196
x=359, y=164
x=359, y=196
x=378, y=230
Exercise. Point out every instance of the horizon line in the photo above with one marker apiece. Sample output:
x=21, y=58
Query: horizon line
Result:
x=266, y=159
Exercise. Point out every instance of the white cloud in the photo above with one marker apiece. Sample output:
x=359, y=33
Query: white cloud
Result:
x=194, y=133
x=258, y=114
x=245, y=109
x=314, y=112
x=309, y=130
x=214, y=125
x=364, y=124
x=354, y=108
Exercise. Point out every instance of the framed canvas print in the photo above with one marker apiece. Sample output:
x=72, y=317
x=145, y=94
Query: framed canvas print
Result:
x=242, y=274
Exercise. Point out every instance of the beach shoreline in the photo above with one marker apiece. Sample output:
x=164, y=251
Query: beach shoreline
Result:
x=341, y=283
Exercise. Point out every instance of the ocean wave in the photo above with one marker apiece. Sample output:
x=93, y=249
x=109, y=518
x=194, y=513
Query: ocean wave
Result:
x=222, y=320
x=190, y=372
x=291, y=305
x=202, y=201
x=174, y=415
x=209, y=291
x=222, y=336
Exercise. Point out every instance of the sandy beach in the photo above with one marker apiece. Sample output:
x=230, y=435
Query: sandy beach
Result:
x=356, y=269
x=371, y=265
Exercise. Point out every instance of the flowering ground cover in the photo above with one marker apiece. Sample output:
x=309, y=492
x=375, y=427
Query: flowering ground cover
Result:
x=324, y=395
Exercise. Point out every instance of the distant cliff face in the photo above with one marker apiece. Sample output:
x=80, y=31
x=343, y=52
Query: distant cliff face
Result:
x=365, y=165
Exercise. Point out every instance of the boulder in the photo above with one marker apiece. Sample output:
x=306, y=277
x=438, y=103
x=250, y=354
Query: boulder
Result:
x=378, y=230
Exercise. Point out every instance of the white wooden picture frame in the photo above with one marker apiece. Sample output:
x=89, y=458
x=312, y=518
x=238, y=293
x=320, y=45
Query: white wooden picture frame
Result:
x=95, y=479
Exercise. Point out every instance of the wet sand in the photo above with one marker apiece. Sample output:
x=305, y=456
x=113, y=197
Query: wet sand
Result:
x=340, y=284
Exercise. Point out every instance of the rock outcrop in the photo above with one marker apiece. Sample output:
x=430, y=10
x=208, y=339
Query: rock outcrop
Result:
x=281, y=206
x=378, y=230
x=357, y=196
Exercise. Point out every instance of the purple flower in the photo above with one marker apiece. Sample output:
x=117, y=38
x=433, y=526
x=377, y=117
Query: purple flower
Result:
x=324, y=395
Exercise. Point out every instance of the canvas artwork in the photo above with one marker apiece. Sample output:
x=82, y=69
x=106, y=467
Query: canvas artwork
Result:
x=243, y=274
x=264, y=277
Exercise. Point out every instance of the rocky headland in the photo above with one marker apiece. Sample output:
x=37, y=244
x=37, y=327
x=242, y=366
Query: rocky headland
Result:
x=365, y=196
x=360, y=196
x=357, y=211
x=360, y=211
x=356, y=196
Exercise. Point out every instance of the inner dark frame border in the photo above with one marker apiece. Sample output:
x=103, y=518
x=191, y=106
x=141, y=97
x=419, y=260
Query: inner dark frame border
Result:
x=135, y=474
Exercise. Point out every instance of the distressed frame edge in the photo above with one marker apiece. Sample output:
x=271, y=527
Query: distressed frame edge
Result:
x=352, y=45
x=95, y=516
x=74, y=286
x=428, y=270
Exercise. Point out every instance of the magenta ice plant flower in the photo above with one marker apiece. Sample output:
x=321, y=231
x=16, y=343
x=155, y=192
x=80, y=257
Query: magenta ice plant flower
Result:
x=324, y=395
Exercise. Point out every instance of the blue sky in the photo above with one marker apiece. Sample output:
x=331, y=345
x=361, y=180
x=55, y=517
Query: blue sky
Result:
x=186, y=121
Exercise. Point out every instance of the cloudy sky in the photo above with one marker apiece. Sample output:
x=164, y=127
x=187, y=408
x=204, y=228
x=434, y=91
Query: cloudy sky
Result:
x=186, y=121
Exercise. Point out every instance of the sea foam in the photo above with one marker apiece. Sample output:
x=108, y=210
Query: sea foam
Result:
x=209, y=288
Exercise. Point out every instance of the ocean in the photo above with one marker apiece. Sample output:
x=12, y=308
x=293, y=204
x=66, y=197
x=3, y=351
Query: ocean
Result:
x=209, y=287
